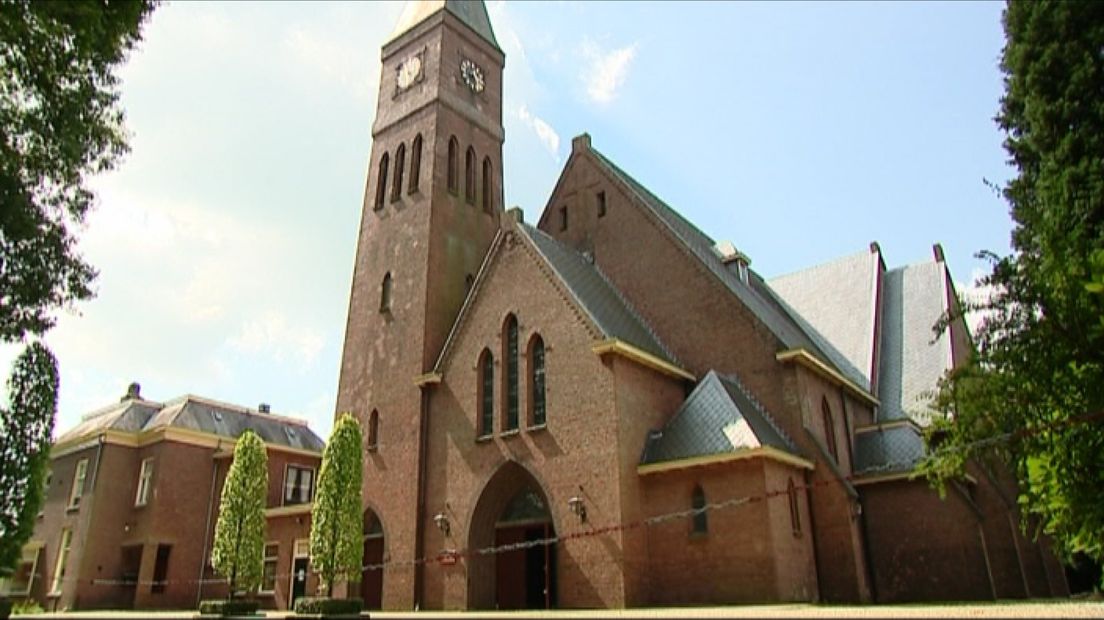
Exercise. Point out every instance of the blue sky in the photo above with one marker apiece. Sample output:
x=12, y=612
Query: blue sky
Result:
x=799, y=131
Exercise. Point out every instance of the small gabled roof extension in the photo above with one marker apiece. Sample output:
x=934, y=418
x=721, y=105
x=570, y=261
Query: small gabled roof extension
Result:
x=886, y=451
x=720, y=417
x=756, y=296
x=607, y=308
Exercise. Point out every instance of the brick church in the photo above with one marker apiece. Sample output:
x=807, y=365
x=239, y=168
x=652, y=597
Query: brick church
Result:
x=608, y=408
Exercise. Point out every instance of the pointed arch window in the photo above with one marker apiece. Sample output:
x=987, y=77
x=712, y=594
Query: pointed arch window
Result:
x=453, y=165
x=469, y=176
x=829, y=429
x=373, y=430
x=700, y=523
x=537, y=412
x=510, y=388
x=486, y=393
x=400, y=167
x=415, y=164
x=381, y=181
x=385, y=293
x=795, y=515
x=488, y=186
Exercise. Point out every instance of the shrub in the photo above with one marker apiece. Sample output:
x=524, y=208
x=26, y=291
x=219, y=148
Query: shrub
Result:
x=236, y=607
x=329, y=606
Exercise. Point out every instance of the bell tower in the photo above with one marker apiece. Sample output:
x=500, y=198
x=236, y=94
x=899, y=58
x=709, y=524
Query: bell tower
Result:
x=432, y=205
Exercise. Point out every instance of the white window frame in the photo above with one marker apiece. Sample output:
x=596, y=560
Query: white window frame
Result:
x=33, y=550
x=64, y=543
x=80, y=473
x=145, y=482
x=270, y=558
x=313, y=482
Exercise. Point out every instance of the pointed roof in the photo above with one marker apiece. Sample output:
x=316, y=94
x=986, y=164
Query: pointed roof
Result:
x=472, y=12
x=719, y=417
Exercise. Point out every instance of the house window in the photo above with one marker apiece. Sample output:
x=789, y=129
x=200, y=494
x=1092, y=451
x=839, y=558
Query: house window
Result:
x=510, y=342
x=453, y=166
x=381, y=181
x=700, y=524
x=161, y=569
x=21, y=580
x=415, y=164
x=268, y=574
x=298, y=485
x=486, y=394
x=62, y=560
x=145, y=479
x=385, y=293
x=563, y=217
x=488, y=189
x=601, y=199
x=373, y=430
x=537, y=414
x=400, y=166
x=795, y=516
x=829, y=429
x=78, y=484
x=469, y=176
x=45, y=492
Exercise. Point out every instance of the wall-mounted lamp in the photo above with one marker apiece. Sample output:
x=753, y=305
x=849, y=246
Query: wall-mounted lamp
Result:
x=578, y=508
x=442, y=523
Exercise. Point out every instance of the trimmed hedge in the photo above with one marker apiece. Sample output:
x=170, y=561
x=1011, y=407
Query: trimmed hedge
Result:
x=222, y=607
x=329, y=606
x=5, y=608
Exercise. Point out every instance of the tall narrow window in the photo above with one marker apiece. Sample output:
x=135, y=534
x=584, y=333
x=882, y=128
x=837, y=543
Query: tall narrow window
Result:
x=373, y=430
x=486, y=394
x=161, y=569
x=600, y=198
x=298, y=485
x=453, y=166
x=385, y=293
x=415, y=164
x=400, y=166
x=62, y=560
x=268, y=573
x=469, y=281
x=77, y=491
x=488, y=186
x=537, y=414
x=469, y=176
x=510, y=354
x=145, y=481
x=829, y=429
x=700, y=523
x=381, y=181
x=563, y=217
x=795, y=516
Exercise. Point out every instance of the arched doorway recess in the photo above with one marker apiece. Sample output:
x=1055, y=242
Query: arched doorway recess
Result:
x=371, y=576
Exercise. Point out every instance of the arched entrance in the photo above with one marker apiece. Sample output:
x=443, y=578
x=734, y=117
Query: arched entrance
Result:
x=513, y=509
x=371, y=576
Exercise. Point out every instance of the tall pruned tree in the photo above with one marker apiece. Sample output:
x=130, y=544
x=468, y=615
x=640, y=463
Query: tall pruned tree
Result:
x=335, y=538
x=238, y=550
x=1034, y=394
x=26, y=424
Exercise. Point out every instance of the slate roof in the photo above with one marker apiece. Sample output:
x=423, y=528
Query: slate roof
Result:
x=719, y=417
x=605, y=305
x=471, y=12
x=914, y=298
x=198, y=414
x=888, y=450
x=839, y=300
x=756, y=295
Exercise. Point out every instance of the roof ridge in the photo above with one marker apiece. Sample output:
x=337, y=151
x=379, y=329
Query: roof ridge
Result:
x=833, y=261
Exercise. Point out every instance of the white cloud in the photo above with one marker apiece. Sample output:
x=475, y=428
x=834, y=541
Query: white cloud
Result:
x=606, y=71
x=547, y=136
x=271, y=334
x=337, y=60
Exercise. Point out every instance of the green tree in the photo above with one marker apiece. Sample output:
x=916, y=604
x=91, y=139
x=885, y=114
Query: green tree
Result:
x=1037, y=381
x=25, y=428
x=238, y=551
x=335, y=538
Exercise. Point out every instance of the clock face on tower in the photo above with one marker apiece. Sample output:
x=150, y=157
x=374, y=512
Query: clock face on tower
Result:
x=472, y=75
x=409, y=71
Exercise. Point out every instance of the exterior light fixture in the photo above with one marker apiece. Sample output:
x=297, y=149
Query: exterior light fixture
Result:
x=578, y=508
x=442, y=523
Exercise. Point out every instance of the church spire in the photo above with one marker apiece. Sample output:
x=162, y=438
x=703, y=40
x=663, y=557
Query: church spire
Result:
x=473, y=13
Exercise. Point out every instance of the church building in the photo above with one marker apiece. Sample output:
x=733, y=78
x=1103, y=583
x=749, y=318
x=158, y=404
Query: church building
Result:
x=605, y=407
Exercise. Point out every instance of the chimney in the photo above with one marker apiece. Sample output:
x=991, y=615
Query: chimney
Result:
x=264, y=408
x=728, y=254
x=134, y=392
x=580, y=143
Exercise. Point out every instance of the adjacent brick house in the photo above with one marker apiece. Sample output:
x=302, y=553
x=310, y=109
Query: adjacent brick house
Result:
x=612, y=409
x=132, y=499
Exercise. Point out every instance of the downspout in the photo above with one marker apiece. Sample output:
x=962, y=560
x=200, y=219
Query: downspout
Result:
x=207, y=527
x=419, y=519
x=812, y=532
